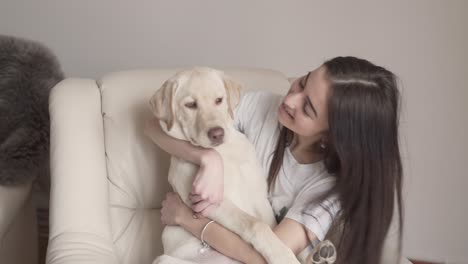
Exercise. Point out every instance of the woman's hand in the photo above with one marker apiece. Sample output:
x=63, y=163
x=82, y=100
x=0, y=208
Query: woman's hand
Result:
x=174, y=210
x=208, y=184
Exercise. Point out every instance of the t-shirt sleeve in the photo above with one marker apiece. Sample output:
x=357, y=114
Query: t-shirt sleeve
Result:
x=316, y=217
x=252, y=109
x=242, y=111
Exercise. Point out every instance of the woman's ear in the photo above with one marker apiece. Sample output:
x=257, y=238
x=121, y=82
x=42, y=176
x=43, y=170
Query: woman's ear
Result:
x=233, y=90
x=161, y=103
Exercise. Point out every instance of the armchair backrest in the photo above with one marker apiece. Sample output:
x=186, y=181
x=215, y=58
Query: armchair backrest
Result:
x=108, y=178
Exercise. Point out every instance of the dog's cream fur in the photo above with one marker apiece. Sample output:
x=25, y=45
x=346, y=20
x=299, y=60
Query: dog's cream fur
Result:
x=245, y=209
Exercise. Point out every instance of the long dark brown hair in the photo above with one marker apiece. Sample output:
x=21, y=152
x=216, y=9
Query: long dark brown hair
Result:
x=363, y=154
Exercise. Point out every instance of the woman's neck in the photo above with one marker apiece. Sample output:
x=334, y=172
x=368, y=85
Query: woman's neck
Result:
x=303, y=149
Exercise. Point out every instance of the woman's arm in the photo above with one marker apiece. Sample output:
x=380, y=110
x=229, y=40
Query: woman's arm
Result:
x=175, y=212
x=208, y=183
x=294, y=235
x=179, y=148
x=223, y=240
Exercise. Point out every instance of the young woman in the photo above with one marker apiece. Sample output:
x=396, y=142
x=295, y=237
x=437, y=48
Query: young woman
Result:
x=330, y=150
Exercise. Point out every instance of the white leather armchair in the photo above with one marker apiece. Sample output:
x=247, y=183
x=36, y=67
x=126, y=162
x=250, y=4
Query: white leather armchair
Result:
x=107, y=179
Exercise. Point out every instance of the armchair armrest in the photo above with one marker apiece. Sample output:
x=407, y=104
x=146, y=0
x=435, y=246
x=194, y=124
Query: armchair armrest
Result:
x=79, y=209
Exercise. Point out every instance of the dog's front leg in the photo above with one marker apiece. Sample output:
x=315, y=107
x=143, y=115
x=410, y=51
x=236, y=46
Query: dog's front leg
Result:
x=255, y=232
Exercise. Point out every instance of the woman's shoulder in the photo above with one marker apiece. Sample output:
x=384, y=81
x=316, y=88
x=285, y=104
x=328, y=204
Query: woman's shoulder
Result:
x=255, y=96
x=254, y=102
x=257, y=101
x=256, y=111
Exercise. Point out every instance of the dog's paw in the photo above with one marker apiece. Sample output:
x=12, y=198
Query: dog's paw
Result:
x=323, y=253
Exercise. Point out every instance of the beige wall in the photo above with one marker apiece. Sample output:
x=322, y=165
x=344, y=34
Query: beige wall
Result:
x=424, y=42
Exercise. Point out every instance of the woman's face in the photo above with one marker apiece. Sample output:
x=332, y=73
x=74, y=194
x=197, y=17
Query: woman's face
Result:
x=304, y=108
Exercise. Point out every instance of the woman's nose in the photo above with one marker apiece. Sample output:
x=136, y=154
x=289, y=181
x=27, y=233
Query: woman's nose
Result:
x=292, y=100
x=289, y=109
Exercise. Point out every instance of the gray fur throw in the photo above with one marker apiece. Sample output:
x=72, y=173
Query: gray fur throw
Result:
x=28, y=71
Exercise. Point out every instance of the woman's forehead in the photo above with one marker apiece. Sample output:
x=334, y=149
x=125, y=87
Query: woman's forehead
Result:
x=317, y=86
x=317, y=78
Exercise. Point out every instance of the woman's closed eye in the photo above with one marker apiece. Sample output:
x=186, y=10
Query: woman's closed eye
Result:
x=306, y=104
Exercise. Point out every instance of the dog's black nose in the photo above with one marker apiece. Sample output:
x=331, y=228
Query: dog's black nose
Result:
x=216, y=135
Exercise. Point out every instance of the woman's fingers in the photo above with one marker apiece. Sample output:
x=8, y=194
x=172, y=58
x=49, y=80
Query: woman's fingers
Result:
x=195, y=198
x=208, y=209
x=200, y=206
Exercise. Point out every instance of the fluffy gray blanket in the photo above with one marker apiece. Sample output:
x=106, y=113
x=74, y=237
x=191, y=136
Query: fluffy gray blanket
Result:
x=28, y=71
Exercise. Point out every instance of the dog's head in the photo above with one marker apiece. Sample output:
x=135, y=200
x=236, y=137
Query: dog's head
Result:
x=197, y=105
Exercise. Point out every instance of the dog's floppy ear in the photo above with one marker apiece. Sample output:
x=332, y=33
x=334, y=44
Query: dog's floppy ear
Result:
x=233, y=90
x=161, y=103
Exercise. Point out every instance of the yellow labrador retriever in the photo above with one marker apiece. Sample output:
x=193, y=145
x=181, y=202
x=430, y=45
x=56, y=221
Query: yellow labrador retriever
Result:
x=196, y=105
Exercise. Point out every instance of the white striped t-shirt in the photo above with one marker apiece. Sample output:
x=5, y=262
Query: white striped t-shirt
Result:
x=297, y=184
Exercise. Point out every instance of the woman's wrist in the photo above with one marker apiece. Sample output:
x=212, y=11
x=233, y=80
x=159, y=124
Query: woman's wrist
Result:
x=193, y=225
x=185, y=216
x=208, y=156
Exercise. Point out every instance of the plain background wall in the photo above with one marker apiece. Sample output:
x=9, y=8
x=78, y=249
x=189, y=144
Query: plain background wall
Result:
x=424, y=42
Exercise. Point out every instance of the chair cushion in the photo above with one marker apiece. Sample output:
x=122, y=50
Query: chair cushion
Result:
x=137, y=168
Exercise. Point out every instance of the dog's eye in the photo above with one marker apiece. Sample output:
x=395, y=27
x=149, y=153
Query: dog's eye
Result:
x=219, y=100
x=191, y=105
